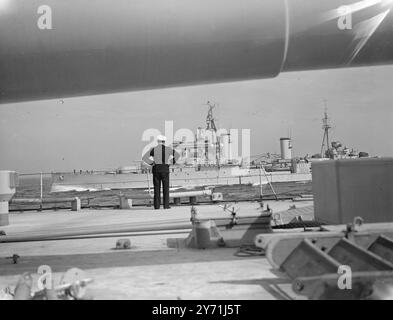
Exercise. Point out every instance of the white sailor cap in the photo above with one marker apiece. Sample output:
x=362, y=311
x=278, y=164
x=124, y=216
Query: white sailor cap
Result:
x=161, y=138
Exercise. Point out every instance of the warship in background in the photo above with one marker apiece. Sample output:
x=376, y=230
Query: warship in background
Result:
x=208, y=162
x=335, y=149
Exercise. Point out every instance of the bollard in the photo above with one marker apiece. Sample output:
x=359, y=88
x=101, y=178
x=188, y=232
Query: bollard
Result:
x=76, y=204
x=123, y=244
x=8, y=183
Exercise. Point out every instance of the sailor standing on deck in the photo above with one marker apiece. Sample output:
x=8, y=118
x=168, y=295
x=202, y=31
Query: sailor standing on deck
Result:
x=160, y=157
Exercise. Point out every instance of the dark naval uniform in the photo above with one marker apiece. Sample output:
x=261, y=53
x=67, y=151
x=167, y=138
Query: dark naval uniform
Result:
x=162, y=156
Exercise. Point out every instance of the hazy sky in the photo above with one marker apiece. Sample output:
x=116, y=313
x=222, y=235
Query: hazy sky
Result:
x=105, y=131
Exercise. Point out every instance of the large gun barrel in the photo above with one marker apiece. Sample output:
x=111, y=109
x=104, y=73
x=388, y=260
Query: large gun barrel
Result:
x=82, y=47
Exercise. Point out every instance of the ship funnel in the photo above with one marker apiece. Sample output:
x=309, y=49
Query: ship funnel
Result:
x=286, y=148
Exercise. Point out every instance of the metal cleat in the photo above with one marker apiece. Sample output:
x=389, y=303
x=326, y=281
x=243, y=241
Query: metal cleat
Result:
x=123, y=244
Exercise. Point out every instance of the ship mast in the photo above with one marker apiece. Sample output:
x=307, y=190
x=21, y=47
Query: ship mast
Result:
x=326, y=127
x=211, y=126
